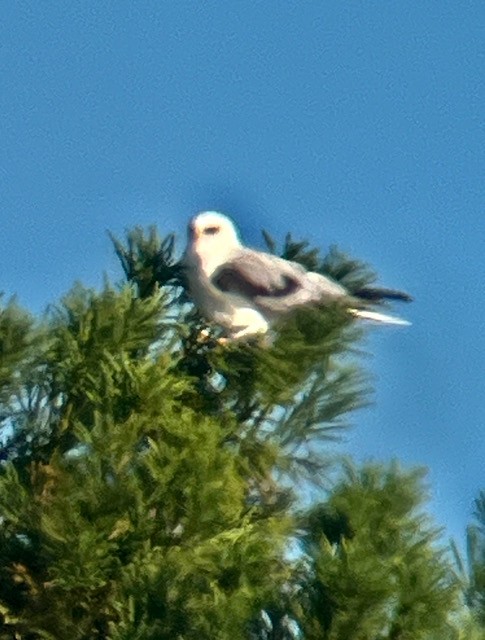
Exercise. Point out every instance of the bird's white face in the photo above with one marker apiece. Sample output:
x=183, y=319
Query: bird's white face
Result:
x=212, y=234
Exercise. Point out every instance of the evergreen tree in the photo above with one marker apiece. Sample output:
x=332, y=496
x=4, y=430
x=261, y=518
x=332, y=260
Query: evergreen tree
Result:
x=140, y=492
x=371, y=567
x=149, y=476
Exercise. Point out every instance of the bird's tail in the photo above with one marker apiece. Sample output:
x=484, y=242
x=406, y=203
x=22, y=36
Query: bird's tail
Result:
x=377, y=294
x=381, y=318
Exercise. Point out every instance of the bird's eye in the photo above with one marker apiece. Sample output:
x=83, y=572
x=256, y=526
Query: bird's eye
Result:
x=211, y=231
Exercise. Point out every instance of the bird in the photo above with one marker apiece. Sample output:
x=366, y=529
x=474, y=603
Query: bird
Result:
x=247, y=292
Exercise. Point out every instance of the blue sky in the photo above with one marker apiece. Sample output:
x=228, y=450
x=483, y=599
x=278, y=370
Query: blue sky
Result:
x=359, y=124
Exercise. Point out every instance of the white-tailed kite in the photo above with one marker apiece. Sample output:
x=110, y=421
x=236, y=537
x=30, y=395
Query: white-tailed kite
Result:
x=247, y=291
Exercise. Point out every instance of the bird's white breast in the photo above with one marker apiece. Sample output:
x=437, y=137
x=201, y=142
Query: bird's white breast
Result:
x=226, y=309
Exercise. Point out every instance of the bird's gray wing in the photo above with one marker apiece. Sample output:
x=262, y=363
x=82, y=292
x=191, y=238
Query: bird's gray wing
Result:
x=272, y=283
x=252, y=274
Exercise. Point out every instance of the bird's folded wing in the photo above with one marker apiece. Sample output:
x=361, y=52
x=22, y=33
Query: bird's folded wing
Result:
x=252, y=274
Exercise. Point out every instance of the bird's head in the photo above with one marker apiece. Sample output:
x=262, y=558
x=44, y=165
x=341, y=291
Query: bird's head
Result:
x=212, y=233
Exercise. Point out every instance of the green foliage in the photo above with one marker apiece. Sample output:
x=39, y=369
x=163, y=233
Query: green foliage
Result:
x=471, y=573
x=142, y=524
x=148, y=476
x=15, y=342
x=148, y=261
x=371, y=568
x=22, y=345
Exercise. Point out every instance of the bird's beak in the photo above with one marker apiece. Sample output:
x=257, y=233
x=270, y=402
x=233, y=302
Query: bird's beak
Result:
x=194, y=233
